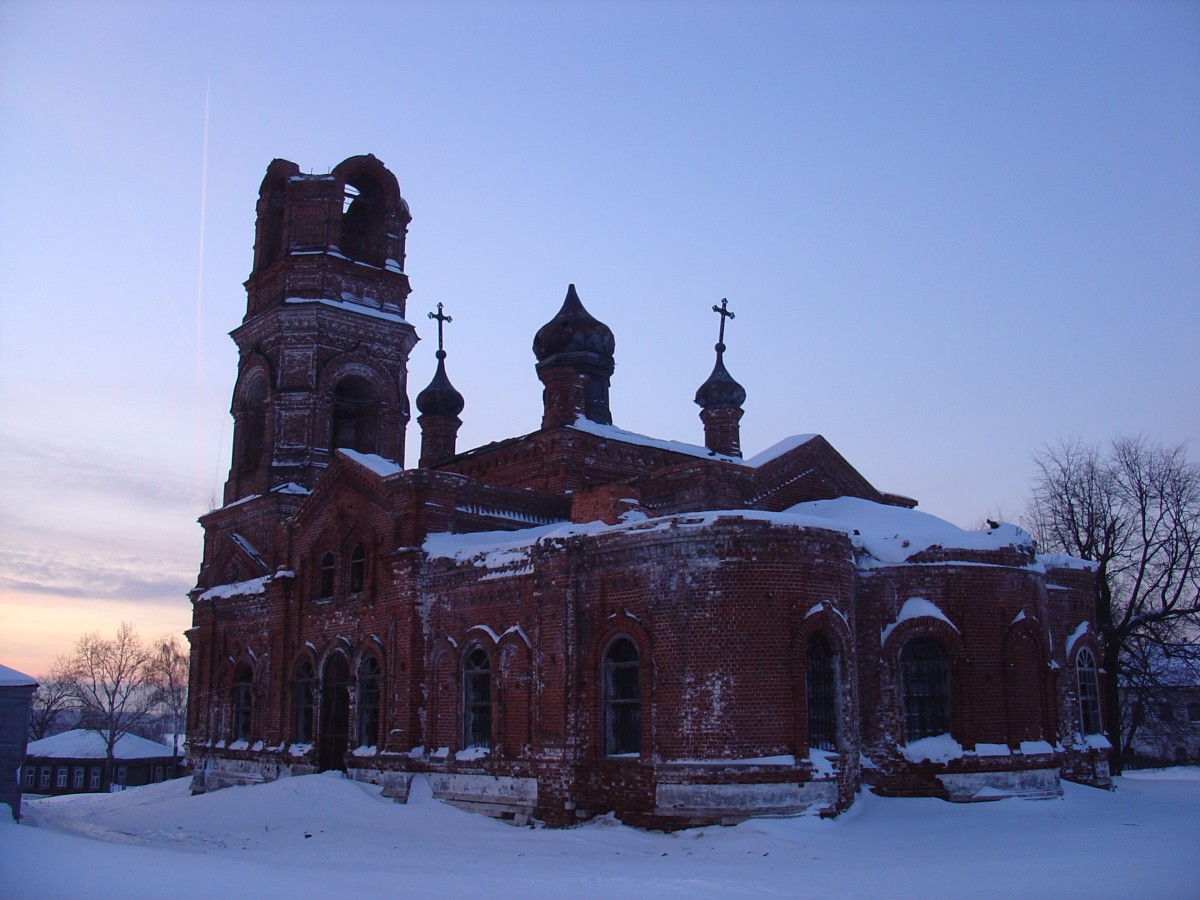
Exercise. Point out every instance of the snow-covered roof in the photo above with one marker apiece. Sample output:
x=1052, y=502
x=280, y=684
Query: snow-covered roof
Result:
x=613, y=433
x=13, y=678
x=889, y=535
x=82, y=744
x=237, y=589
x=373, y=461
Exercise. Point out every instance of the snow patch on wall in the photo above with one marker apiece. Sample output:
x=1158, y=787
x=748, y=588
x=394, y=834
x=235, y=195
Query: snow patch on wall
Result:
x=914, y=608
x=938, y=748
x=1080, y=630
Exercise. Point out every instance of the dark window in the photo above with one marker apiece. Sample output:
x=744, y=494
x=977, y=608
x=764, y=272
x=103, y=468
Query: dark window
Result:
x=94, y=781
x=358, y=568
x=77, y=778
x=368, y=703
x=477, y=699
x=1194, y=712
x=30, y=775
x=62, y=777
x=926, y=677
x=121, y=775
x=354, y=410
x=325, y=572
x=305, y=698
x=622, y=698
x=45, y=782
x=253, y=425
x=822, y=694
x=242, y=704
x=1089, y=692
x=1166, y=712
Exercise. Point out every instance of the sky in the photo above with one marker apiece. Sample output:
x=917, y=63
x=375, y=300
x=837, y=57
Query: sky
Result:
x=952, y=234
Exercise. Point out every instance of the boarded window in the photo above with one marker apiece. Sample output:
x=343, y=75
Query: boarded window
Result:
x=821, y=692
x=242, y=704
x=326, y=569
x=368, y=703
x=926, y=677
x=477, y=699
x=358, y=568
x=622, y=698
x=1089, y=692
x=305, y=698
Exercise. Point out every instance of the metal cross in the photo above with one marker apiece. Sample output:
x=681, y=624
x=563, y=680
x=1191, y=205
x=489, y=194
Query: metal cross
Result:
x=444, y=318
x=723, y=312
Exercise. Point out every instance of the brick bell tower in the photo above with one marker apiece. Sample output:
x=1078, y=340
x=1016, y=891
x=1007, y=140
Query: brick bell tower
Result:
x=323, y=349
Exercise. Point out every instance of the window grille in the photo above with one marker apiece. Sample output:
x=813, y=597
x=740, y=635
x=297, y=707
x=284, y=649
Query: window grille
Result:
x=822, y=694
x=622, y=698
x=477, y=700
x=1089, y=692
x=926, y=677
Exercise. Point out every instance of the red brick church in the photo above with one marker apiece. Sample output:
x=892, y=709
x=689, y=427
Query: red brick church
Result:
x=582, y=619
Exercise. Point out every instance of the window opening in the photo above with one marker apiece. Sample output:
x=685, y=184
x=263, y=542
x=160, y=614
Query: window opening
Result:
x=30, y=774
x=926, y=677
x=368, y=703
x=45, y=782
x=363, y=221
x=305, y=698
x=326, y=570
x=334, y=725
x=62, y=777
x=254, y=426
x=477, y=700
x=241, y=705
x=94, y=781
x=1193, y=712
x=1089, y=692
x=354, y=411
x=822, y=694
x=622, y=698
x=358, y=568
x=77, y=778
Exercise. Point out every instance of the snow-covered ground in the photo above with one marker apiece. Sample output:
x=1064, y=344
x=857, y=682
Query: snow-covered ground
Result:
x=323, y=835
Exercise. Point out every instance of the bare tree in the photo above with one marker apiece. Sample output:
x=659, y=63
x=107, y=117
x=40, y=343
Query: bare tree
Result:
x=112, y=684
x=1132, y=508
x=53, y=699
x=169, y=674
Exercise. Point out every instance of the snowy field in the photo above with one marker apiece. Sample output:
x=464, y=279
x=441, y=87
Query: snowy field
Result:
x=325, y=836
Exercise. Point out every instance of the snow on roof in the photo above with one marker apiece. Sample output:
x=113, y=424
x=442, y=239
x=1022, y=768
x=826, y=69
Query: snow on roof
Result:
x=13, y=678
x=892, y=534
x=237, y=589
x=612, y=433
x=889, y=534
x=83, y=744
x=377, y=464
x=1063, y=561
x=778, y=449
x=350, y=305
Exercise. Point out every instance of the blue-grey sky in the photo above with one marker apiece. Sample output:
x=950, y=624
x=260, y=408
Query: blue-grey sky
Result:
x=951, y=233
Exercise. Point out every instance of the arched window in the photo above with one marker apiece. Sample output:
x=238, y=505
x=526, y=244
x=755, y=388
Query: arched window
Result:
x=822, y=693
x=354, y=410
x=253, y=425
x=243, y=700
x=926, y=676
x=305, y=699
x=363, y=221
x=358, y=568
x=1089, y=692
x=622, y=698
x=477, y=699
x=368, y=703
x=271, y=234
x=325, y=572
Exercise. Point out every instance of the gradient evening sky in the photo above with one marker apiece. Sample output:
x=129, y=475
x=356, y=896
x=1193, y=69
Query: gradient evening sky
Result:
x=951, y=233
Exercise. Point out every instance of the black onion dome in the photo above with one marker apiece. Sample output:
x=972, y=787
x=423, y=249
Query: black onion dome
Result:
x=440, y=398
x=573, y=330
x=720, y=391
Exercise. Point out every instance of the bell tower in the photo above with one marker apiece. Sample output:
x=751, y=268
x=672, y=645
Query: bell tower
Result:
x=323, y=348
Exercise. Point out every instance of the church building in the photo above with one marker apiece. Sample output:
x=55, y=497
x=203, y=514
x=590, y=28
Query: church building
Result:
x=581, y=619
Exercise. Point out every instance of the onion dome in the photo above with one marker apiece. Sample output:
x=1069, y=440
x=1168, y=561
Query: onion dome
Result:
x=573, y=330
x=440, y=398
x=720, y=391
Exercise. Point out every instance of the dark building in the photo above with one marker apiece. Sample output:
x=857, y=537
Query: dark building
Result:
x=16, y=694
x=582, y=619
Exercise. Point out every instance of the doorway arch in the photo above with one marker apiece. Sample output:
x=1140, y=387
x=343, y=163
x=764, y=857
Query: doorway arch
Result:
x=334, y=735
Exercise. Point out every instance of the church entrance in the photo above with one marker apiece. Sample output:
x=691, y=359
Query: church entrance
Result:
x=335, y=715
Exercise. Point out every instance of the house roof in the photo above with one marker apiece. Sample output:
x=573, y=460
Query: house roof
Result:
x=13, y=678
x=82, y=744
